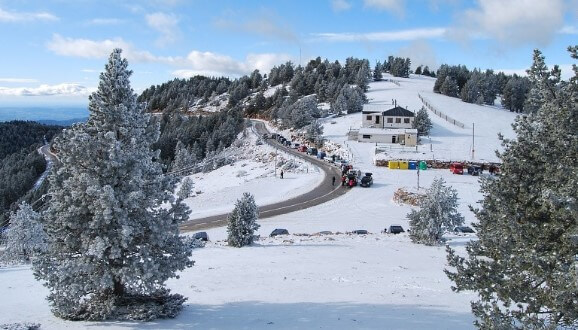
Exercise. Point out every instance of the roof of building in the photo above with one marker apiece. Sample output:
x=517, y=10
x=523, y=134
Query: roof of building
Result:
x=398, y=112
x=387, y=131
x=393, y=112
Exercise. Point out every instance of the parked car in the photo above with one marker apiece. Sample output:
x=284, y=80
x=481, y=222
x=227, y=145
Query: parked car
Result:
x=457, y=168
x=312, y=151
x=396, y=229
x=274, y=135
x=295, y=145
x=321, y=154
x=302, y=148
x=279, y=231
x=474, y=170
x=366, y=180
x=464, y=229
x=202, y=235
x=360, y=232
x=265, y=136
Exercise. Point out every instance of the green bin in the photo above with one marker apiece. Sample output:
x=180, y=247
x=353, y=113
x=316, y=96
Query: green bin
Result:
x=422, y=165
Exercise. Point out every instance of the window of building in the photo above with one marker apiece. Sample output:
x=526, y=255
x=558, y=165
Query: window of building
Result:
x=397, y=120
x=406, y=120
x=377, y=119
x=367, y=136
x=390, y=120
x=368, y=117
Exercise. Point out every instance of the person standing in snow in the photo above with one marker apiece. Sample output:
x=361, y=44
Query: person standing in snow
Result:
x=281, y=174
x=333, y=181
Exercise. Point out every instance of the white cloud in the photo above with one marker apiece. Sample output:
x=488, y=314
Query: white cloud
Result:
x=420, y=52
x=402, y=35
x=265, y=23
x=393, y=6
x=67, y=89
x=18, y=80
x=568, y=29
x=87, y=48
x=340, y=5
x=213, y=64
x=166, y=25
x=513, y=22
x=196, y=62
x=14, y=17
x=105, y=21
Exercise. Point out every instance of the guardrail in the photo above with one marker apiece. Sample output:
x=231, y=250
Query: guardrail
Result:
x=440, y=114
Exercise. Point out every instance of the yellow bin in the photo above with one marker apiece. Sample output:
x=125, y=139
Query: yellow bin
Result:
x=393, y=165
x=403, y=165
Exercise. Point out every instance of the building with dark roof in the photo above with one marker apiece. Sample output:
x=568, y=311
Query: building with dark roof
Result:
x=373, y=116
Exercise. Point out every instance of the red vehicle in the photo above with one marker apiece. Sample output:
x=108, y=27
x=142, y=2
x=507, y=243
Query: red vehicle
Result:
x=457, y=168
x=302, y=148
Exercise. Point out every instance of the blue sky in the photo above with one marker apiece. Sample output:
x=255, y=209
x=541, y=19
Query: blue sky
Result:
x=53, y=50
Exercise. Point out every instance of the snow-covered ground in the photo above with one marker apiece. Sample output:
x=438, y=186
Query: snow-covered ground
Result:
x=337, y=281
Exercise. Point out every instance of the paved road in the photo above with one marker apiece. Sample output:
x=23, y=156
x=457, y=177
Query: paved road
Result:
x=320, y=194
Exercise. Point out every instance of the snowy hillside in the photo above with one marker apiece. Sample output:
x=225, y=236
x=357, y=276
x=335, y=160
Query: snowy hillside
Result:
x=305, y=280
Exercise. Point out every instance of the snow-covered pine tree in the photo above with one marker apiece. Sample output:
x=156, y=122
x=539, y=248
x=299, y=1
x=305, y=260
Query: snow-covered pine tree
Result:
x=449, y=87
x=523, y=266
x=112, y=222
x=184, y=160
x=242, y=222
x=422, y=122
x=543, y=83
x=314, y=132
x=24, y=238
x=437, y=214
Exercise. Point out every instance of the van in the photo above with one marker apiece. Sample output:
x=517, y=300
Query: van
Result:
x=457, y=168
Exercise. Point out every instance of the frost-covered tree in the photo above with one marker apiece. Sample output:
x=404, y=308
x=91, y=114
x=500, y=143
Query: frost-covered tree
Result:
x=184, y=160
x=543, y=83
x=24, y=238
x=378, y=72
x=112, y=222
x=449, y=87
x=242, y=222
x=437, y=214
x=422, y=122
x=314, y=132
x=514, y=93
x=350, y=100
x=523, y=266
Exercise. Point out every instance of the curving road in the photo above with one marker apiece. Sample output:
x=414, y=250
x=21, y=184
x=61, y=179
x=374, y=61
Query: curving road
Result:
x=320, y=194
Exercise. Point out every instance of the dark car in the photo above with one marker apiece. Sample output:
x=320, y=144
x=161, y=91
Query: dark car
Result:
x=312, y=151
x=360, y=232
x=474, y=170
x=464, y=229
x=396, y=229
x=367, y=180
x=278, y=232
x=201, y=236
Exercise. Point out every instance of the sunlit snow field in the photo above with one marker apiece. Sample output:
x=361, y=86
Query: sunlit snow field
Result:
x=339, y=281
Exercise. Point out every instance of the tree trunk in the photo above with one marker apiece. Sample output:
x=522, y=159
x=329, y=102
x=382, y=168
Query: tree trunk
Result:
x=118, y=288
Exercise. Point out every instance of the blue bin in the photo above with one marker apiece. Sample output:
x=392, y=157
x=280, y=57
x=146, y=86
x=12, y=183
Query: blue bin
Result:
x=412, y=165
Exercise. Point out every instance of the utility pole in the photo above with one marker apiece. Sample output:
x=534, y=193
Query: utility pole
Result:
x=473, y=149
x=418, y=176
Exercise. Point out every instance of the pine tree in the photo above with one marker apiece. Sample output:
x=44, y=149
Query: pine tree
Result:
x=24, y=238
x=449, y=87
x=242, y=222
x=523, y=266
x=438, y=213
x=422, y=122
x=543, y=82
x=378, y=72
x=184, y=160
x=112, y=223
x=314, y=132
